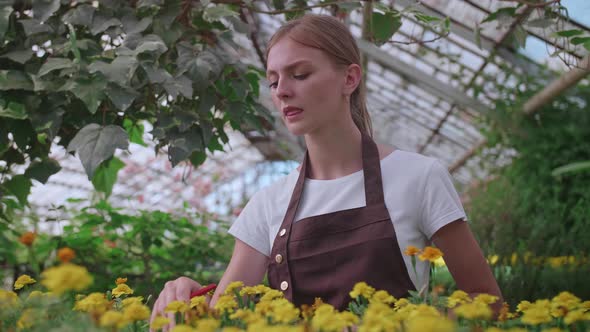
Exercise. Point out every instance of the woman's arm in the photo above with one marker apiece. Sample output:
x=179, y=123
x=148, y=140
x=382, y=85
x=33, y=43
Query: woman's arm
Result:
x=466, y=262
x=247, y=265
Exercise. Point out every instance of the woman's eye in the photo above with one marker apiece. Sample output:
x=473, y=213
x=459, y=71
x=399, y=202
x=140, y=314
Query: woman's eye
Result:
x=273, y=85
x=300, y=77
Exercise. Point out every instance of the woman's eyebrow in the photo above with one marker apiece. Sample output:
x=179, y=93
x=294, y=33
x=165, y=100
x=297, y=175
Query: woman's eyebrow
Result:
x=288, y=67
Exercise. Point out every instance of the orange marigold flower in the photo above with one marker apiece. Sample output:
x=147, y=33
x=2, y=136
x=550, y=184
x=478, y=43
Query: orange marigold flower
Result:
x=66, y=254
x=411, y=251
x=27, y=238
x=431, y=254
x=120, y=281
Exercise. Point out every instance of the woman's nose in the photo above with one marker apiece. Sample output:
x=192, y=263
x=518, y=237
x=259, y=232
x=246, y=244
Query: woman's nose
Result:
x=283, y=89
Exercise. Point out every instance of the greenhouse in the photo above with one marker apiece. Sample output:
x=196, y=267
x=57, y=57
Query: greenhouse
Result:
x=149, y=145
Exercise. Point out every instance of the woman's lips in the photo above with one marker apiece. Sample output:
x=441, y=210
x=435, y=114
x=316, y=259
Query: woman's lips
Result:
x=292, y=113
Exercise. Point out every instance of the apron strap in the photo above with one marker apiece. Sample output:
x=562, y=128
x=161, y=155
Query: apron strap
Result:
x=372, y=172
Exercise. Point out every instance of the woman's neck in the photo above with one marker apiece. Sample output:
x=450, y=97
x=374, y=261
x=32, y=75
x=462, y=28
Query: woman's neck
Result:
x=334, y=152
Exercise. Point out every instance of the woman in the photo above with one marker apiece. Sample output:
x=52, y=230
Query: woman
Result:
x=349, y=210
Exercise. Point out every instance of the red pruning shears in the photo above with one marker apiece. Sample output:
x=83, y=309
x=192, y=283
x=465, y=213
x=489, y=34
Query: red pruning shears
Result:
x=204, y=290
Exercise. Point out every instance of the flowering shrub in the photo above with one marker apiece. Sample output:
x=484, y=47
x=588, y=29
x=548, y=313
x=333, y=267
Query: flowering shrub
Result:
x=59, y=305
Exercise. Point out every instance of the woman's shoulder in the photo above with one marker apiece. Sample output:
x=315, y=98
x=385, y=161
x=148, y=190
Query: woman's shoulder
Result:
x=404, y=159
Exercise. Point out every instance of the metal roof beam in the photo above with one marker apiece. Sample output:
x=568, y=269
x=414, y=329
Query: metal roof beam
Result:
x=420, y=78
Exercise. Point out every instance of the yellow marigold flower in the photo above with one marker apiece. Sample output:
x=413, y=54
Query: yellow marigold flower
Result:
x=183, y=328
x=159, y=322
x=93, y=303
x=382, y=297
x=431, y=254
x=566, y=300
x=486, y=298
x=411, y=251
x=122, y=289
x=112, y=318
x=248, y=316
x=362, y=289
x=121, y=281
x=226, y=303
x=523, y=306
x=27, y=238
x=327, y=319
x=176, y=306
x=207, y=325
x=401, y=303
x=65, y=254
x=585, y=305
x=22, y=281
x=505, y=313
x=493, y=259
x=197, y=301
x=134, y=312
x=231, y=329
x=284, y=311
x=272, y=294
x=35, y=295
x=430, y=323
x=474, y=310
x=424, y=310
x=380, y=317
x=28, y=318
x=62, y=278
x=458, y=297
x=233, y=286
x=574, y=316
x=254, y=290
x=537, y=313
x=439, y=262
x=132, y=300
x=552, y=329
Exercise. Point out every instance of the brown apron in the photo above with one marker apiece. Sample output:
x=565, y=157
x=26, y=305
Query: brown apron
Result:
x=325, y=256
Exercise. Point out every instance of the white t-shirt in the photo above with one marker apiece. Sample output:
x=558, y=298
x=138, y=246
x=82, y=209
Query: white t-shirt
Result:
x=418, y=191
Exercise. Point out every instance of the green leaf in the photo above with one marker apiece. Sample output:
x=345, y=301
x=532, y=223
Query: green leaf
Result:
x=89, y=90
x=119, y=71
x=100, y=23
x=182, y=145
x=384, y=26
x=179, y=85
x=520, y=35
x=425, y=18
x=197, y=158
x=20, y=187
x=14, y=111
x=106, y=175
x=96, y=144
x=4, y=20
x=569, y=33
x=214, y=13
x=33, y=27
x=20, y=56
x=477, y=32
x=579, y=40
x=43, y=9
x=135, y=132
x=540, y=23
x=501, y=13
x=149, y=3
x=122, y=97
x=15, y=80
x=577, y=167
x=137, y=44
x=42, y=170
x=81, y=15
x=587, y=46
x=132, y=26
x=53, y=64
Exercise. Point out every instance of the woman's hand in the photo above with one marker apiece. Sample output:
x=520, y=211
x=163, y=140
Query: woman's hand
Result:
x=174, y=290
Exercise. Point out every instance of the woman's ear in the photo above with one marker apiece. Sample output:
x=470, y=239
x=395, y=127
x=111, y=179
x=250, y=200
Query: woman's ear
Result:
x=352, y=78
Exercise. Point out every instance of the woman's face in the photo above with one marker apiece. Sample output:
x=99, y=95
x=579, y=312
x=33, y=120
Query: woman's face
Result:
x=306, y=87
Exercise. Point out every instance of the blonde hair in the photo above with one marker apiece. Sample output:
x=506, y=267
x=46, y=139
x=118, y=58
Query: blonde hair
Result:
x=328, y=34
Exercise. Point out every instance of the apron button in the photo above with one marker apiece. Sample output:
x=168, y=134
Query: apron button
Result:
x=278, y=258
x=284, y=285
x=283, y=232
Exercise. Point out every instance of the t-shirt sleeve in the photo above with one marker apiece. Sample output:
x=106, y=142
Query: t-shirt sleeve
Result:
x=251, y=226
x=441, y=204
